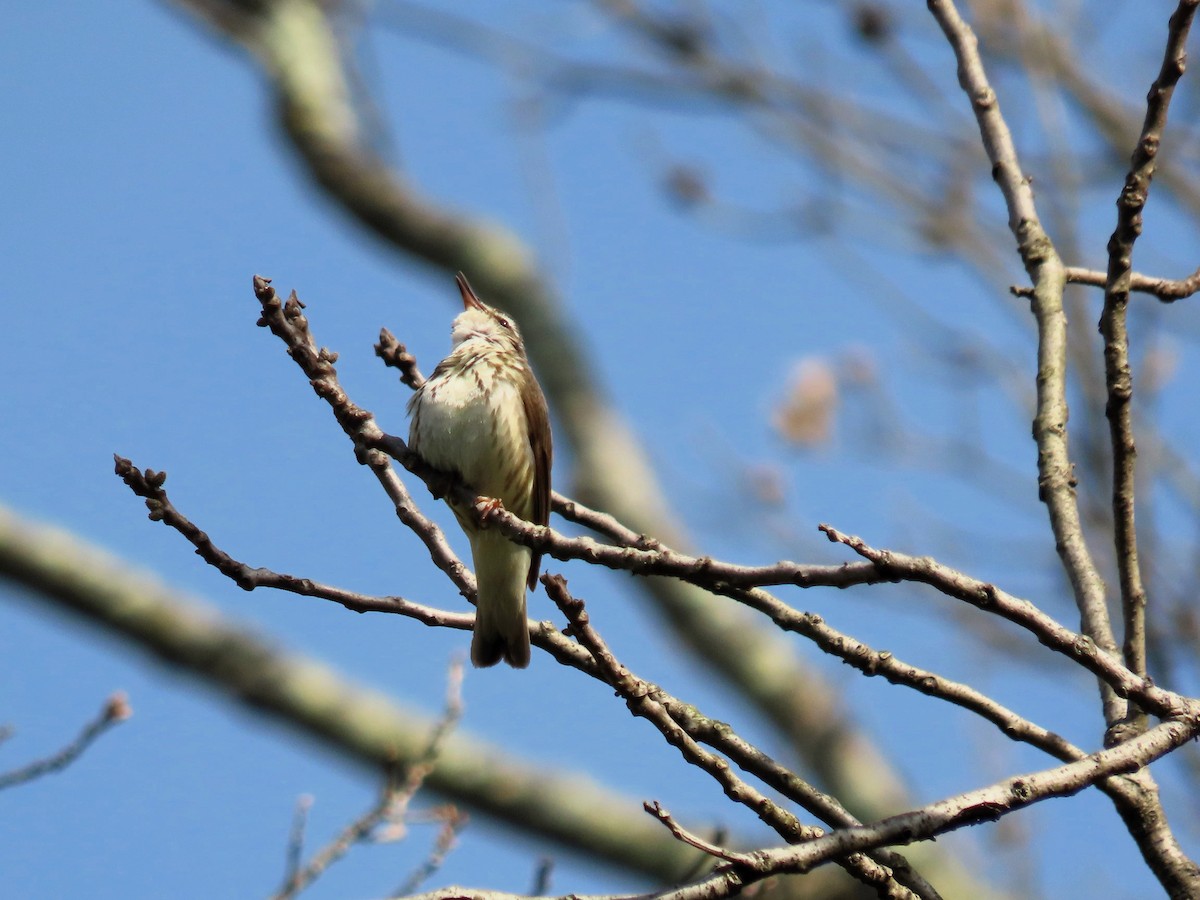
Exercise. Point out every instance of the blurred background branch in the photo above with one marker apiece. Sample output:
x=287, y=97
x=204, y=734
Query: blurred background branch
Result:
x=313, y=698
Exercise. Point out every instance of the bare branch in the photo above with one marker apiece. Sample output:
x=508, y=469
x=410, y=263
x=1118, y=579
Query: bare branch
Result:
x=972, y=807
x=645, y=700
x=356, y=831
x=986, y=596
x=865, y=659
x=729, y=579
x=941, y=817
x=1055, y=469
x=1144, y=816
x=1165, y=289
x=1118, y=376
x=150, y=486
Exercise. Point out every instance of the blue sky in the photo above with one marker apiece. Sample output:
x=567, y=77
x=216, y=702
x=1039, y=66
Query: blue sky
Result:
x=145, y=185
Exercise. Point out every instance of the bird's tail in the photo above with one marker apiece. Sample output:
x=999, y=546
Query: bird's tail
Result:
x=501, y=631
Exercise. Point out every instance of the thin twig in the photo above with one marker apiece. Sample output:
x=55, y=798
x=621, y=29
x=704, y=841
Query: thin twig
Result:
x=453, y=820
x=541, y=877
x=401, y=785
x=656, y=809
x=882, y=567
x=116, y=709
x=941, y=817
x=395, y=354
x=295, y=845
x=355, y=832
x=149, y=485
x=638, y=696
x=1165, y=289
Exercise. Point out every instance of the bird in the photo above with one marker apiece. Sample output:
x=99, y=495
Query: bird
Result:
x=482, y=416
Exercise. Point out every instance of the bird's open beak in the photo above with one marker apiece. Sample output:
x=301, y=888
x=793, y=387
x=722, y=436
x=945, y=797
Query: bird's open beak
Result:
x=470, y=300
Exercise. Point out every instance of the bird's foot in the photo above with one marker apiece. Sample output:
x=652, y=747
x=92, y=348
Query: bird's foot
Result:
x=487, y=507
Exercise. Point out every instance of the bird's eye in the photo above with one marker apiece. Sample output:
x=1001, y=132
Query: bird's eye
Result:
x=503, y=322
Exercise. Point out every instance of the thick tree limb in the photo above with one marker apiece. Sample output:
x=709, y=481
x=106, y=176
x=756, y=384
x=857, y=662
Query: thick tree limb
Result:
x=314, y=699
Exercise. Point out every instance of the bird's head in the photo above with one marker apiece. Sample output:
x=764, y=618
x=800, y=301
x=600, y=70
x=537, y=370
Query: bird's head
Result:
x=480, y=322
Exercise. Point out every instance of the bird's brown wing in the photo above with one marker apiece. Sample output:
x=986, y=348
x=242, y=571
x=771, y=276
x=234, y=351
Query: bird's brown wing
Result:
x=538, y=419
